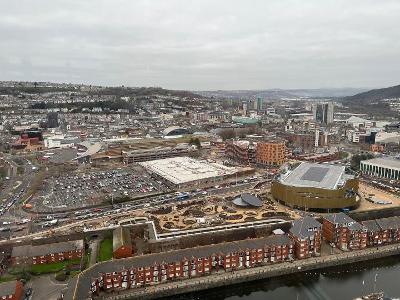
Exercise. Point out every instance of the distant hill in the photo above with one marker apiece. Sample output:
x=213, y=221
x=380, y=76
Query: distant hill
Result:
x=276, y=94
x=145, y=91
x=371, y=103
x=374, y=95
x=27, y=87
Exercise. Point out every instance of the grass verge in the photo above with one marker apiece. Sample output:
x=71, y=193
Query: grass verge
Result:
x=106, y=250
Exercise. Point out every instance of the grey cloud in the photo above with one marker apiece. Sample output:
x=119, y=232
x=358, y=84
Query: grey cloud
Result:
x=202, y=44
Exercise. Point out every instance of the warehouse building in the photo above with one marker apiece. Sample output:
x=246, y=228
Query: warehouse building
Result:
x=388, y=168
x=316, y=186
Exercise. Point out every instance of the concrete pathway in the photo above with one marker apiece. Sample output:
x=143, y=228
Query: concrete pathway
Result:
x=94, y=248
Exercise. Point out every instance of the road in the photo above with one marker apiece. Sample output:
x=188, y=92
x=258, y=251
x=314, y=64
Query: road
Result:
x=46, y=287
x=104, y=217
x=10, y=212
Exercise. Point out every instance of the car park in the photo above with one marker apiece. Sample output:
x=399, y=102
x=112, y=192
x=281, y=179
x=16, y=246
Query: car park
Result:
x=79, y=190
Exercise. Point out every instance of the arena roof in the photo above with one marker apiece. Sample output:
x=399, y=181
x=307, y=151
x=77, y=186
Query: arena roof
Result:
x=175, y=130
x=180, y=170
x=386, y=162
x=315, y=175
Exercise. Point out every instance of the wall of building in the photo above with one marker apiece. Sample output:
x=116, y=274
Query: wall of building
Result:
x=268, y=271
x=271, y=154
x=379, y=171
x=315, y=198
x=48, y=259
x=191, y=268
x=243, y=153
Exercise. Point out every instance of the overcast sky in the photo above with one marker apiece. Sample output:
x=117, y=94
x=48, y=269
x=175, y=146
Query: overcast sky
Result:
x=202, y=44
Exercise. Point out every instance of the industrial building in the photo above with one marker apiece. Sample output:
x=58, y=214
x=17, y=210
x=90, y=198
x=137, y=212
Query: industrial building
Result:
x=316, y=186
x=388, y=168
x=184, y=172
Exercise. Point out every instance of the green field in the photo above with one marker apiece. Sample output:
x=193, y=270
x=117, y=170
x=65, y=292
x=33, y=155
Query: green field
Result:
x=52, y=268
x=6, y=278
x=106, y=250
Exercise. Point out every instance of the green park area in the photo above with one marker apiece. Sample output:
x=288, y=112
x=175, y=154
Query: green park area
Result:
x=54, y=267
x=6, y=278
x=106, y=250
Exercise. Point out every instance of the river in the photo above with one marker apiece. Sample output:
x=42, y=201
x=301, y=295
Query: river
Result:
x=341, y=283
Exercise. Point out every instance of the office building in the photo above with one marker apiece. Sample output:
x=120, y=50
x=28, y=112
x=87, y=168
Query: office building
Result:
x=323, y=113
x=388, y=168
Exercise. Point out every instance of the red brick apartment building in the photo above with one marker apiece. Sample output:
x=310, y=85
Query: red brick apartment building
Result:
x=306, y=234
x=186, y=263
x=11, y=290
x=267, y=153
x=344, y=232
x=47, y=253
x=383, y=231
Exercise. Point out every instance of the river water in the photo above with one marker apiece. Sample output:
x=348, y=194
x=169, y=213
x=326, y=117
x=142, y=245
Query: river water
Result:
x=341, y=283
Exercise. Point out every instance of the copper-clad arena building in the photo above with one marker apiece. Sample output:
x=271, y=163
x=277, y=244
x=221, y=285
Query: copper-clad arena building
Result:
x=317, y=186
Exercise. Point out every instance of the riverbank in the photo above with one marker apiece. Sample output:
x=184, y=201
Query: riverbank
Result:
x=269, y=271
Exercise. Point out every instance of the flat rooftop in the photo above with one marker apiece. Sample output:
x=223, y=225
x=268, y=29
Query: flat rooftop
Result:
x=386, y=162
x=180, y=170
x=315, y=175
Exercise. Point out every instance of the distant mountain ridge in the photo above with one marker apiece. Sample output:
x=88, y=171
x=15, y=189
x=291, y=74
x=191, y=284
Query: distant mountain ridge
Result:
x=15, y=88
x=374, y=95
x=284, y=93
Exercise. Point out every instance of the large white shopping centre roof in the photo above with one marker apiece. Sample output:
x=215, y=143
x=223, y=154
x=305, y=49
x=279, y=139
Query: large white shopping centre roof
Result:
x=180, y=170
